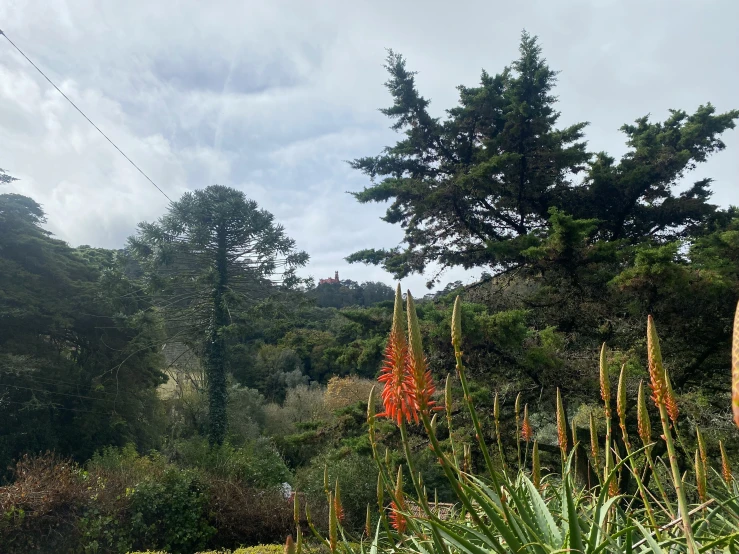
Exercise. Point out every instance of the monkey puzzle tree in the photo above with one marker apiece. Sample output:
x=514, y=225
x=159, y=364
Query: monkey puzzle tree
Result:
x=209, y=260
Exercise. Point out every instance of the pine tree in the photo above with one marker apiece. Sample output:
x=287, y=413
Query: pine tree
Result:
x=494, y=179
x=471, y=190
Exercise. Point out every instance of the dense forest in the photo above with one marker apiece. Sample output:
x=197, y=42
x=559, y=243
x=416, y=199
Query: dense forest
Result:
x=199, y=344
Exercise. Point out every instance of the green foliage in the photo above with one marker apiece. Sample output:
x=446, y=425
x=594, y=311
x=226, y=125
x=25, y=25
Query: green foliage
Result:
x=256, y=463
x=122, y=500
x=358, y=478
x=246, y=415
x=484, y=177
x=348, y=293
x=169, y=513
x=261, y=549
x=5, y=178
x=275, y=370
x=79, y=358
x=582, y=247
x=487, y=185
x=126, y=463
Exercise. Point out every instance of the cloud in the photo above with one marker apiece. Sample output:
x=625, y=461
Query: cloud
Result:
x=272, y=98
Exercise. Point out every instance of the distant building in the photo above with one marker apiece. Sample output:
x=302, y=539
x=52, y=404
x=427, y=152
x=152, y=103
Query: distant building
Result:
x=330, y=281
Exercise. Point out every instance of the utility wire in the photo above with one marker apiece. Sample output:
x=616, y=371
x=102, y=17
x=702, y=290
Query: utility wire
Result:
x=50, y=392
x=83, y=115
x=54, y=406
x=46, y=381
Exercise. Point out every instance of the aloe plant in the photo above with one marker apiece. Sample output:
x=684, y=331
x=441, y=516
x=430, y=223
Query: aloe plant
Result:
x=528, y=512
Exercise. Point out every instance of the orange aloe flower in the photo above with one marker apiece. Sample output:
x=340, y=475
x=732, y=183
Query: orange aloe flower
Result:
x=605, y=383
x=670, y=401
x=397, y=395
x=333, y=524
x=700, y=477
x=527, y=432
x=593, y=439
x=338, y=506
x=662, y=392
x=397, y=520
x=657, y=376
x=423, y=383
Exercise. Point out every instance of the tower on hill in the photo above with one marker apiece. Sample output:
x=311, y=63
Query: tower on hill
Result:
x=330, y=281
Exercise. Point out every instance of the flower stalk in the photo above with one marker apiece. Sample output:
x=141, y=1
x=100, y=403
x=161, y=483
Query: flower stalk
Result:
x=735, y=367
x=561, y=429
x=658, y=377
x=725, y=467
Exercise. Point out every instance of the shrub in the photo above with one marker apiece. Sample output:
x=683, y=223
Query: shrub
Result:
x=358, y=479
x=40, y=508
x=257, y=463
x=345, y=391
x=247, y=516
x=169, y=513
x=125, y=501
x=305, y=403
x=126, y=465
x=245, y=414
x=278, y=422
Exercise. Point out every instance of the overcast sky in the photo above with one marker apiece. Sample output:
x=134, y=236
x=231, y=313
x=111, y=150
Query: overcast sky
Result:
x=272, y=97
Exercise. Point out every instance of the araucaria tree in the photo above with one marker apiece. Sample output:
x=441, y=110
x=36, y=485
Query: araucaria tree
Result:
x=495, y=178
x=210, y=259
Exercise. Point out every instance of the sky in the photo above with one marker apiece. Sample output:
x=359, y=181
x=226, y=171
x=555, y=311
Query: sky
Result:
x=272, y=98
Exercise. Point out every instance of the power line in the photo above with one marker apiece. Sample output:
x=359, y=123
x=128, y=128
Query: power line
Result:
x=83, y=115
x=46, y=381
x=19, y=387
x=54, y=406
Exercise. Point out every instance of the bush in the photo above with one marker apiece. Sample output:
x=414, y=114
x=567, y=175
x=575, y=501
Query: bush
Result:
x=125, y=501
x=345, y=391
x=170, y=513
x=245, y=414
x=248, y=516
x=126, y=465
x=357, y=477
x=39, y=510
x=302, y=404
x=305, y=403
x=278, y=421
x=256, y=464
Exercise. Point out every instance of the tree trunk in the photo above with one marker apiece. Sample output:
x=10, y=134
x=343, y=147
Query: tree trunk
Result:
x=216, y=360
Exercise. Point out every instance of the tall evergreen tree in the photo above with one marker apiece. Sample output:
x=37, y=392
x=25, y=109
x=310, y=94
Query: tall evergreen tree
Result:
x=79, y=354
x=470, y=190
x=494, y=179
x=211, y=257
